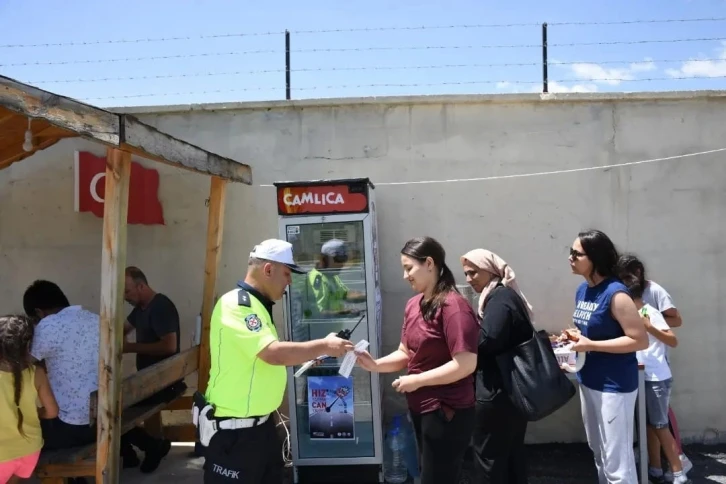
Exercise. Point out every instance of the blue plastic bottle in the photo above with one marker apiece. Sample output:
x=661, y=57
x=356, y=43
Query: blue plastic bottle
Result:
x=394, y=466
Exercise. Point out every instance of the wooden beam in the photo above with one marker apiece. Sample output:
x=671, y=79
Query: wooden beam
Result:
x=43, y=139
x=148, y=142
x=86, y=120
x=181, y=403
x=181, y=433
x=60, y=471
x=215, y=233
x=153, y=426
x=6, y=115
x=149, y=381
x=113, y=262
x=7, y=159
x=121, y=131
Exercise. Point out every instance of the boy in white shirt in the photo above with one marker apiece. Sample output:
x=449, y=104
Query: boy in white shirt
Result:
x=658, y=382
x=655, y=295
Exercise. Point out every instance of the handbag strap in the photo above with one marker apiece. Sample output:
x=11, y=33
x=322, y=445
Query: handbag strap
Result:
x=522, y=307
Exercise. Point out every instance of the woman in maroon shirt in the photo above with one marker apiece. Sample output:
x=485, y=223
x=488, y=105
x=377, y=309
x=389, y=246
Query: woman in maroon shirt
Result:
x=438, y=346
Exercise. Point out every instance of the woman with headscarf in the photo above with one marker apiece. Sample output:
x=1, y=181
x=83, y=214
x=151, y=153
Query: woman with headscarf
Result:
x=504, y=319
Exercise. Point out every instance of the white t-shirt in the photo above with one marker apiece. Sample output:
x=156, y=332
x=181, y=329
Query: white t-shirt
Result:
x=657, y=297
x=654, y=356
x=68, y=342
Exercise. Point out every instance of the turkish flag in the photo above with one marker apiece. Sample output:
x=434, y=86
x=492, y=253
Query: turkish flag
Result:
x=90, y=188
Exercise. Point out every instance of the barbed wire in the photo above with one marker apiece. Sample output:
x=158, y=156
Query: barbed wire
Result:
x=633, y=42
x=360, y=68
x=397, y=85
x=353, y=30
x=363, y=49
x=143, y=58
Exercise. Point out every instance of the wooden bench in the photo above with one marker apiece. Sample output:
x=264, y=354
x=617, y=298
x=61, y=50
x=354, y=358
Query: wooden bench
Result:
x=56, y=465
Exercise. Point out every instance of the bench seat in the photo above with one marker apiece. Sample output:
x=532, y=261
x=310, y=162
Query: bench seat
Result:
x=55, y=463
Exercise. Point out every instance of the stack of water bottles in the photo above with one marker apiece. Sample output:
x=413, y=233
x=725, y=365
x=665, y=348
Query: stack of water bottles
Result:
x=399, y=455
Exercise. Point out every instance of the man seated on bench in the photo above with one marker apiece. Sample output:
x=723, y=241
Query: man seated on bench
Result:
x=66, y=340
x=156, y=322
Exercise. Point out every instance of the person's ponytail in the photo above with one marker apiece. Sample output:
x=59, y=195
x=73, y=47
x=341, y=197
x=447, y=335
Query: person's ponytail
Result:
x=17, y=371
x=445, y=284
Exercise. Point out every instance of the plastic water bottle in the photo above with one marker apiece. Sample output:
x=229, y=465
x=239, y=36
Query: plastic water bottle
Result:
x=394, y=466
x=410, y=457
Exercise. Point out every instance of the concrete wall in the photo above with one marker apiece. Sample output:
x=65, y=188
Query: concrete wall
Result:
x=671, y=212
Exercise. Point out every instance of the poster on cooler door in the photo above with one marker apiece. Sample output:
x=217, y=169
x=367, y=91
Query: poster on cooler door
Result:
x=330, y=407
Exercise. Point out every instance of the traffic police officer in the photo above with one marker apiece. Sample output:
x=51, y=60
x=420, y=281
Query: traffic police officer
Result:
x=327, y=289
x=247, y=376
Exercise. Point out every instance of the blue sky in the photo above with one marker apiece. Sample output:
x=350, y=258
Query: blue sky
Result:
x=419, y=69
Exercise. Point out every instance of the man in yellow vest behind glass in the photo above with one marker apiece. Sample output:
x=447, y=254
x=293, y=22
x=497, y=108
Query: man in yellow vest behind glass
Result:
x=247, y=377
x=328, y=292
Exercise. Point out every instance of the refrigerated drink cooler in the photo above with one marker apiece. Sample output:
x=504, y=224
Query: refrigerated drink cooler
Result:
x=335, y=422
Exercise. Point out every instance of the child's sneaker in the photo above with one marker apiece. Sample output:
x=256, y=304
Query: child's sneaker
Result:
x=656, y=479
x=655, y=476
x=682, y=479
x=687, y=466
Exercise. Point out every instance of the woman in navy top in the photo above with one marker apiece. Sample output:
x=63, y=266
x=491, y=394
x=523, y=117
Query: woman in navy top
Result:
x=611, y=333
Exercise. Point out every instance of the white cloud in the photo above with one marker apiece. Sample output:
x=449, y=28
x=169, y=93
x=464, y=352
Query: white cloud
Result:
x=592, y=74
x=610, y=75
x=645, y=66
x=702, y=66
x=554, y=86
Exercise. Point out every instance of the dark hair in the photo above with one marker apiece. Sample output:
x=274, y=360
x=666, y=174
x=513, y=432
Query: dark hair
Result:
x=634, y=284
x=43, y=295
x=325, y=260
x=136, y=275
x=16, y=335
x=421, y=248
x=601, y=251
x=630, y=265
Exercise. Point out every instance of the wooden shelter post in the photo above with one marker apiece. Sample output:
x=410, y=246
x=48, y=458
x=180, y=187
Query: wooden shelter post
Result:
x=215, y=231
x=42, y=118
x=113, y=263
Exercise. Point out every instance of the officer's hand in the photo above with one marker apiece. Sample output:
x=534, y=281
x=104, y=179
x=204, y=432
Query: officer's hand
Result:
x=337, y=346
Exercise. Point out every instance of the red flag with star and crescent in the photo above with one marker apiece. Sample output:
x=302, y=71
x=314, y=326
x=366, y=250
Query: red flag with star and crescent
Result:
x=90, y=188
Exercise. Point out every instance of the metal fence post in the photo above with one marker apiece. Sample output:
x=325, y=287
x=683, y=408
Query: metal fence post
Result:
x=545, y=80
x=287, y=65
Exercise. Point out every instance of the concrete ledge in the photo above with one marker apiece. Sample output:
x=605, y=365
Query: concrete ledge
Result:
x=433, y=99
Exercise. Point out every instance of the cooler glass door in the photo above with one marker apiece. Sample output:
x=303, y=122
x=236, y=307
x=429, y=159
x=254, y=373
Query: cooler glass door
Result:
x=333, y=414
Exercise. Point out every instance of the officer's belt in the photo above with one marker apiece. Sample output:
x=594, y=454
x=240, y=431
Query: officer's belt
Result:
x=240, y=423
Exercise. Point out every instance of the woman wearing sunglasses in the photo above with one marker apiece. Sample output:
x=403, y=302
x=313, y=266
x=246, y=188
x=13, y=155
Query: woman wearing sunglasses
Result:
x=611, y=332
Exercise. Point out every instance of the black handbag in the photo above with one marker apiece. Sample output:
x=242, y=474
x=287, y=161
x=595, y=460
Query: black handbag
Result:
x=532, y=378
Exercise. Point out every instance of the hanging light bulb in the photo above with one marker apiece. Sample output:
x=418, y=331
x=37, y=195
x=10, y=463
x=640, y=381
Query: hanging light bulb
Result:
x=28, y=145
